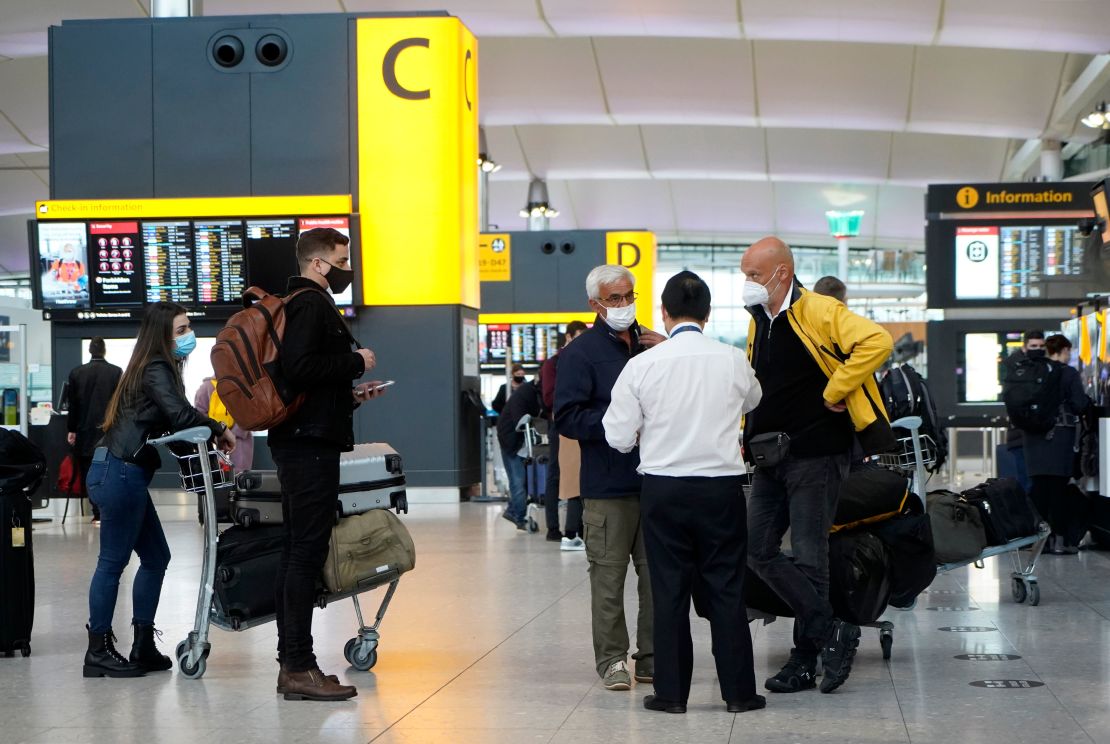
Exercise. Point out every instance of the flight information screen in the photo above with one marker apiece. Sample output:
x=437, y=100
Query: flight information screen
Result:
x=1026, y=262
x=170, y=268
x=272, y=248
x=220, y=261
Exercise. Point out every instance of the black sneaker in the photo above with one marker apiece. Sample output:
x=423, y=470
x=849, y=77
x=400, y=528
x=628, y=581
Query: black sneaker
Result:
x=838, y=654
x=554, y=536
x=757, y=702
x=798, y=674
x=654, y=702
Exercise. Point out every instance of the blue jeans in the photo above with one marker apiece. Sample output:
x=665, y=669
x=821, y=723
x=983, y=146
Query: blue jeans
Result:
x=514, y=468
x=128, y=522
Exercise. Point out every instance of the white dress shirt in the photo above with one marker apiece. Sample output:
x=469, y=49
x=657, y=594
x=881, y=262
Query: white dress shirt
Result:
x=682, y=401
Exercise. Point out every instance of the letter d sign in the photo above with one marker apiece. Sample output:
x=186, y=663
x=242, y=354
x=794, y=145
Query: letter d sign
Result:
x=626, y=250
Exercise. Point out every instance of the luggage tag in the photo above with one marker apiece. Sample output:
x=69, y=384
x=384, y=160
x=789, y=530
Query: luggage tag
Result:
x=19, y=539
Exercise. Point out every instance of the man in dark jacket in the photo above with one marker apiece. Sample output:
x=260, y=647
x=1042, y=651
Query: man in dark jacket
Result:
x=319, y=360
x=610, y=485
x=1033, y=341
x=90, y=388
x=525, y=400
x=551, y=491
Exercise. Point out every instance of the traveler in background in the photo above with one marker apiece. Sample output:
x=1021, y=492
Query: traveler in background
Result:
x=830, y=286
x=816, y=361
x=90, y=388
x=148, y=402
x=208, y=402
x=609, y=483
x=1032, y=342
x=319, y=359
x=516, y=380
x=682, y=404
x=1050, y=458
x=553, y=490
x=525, y=400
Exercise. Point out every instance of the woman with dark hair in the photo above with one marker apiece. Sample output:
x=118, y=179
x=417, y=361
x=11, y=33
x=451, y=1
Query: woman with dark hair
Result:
x=1050, y=457
x=149, y=402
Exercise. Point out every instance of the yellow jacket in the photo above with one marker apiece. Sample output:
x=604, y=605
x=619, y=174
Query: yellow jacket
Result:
x=849, y=349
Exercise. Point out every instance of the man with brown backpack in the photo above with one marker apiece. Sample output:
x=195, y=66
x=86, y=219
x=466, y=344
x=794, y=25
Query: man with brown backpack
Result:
x=318, y=362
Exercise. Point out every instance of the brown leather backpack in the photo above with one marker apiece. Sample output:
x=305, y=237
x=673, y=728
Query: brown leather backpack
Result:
x=246, y=362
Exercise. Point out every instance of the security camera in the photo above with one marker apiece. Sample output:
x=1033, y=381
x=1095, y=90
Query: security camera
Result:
x=1088, y=225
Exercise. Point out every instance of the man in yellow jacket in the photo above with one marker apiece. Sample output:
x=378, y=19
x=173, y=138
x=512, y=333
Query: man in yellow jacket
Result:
x=815, y=360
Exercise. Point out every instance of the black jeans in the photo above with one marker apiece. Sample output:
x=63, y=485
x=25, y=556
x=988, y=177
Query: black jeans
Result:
x=695, y=535
x=551, y=488
x=1064, y=508
x=309, y=478
x=799, y=493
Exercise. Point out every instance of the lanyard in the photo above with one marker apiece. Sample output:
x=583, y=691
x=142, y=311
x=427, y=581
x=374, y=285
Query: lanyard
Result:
x=683, y=329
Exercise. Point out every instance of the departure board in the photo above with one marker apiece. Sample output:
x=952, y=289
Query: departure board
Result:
x=1019, y=262
x=272, y=247
x=220, y=262
x=117, y=276
x=170, y=270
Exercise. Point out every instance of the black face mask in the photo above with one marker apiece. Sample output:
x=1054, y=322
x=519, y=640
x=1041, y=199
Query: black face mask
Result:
x=518, y=380
x=1036, y=353
x=338, y=279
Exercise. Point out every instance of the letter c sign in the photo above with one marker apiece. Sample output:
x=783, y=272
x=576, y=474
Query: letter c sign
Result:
x=389, y=70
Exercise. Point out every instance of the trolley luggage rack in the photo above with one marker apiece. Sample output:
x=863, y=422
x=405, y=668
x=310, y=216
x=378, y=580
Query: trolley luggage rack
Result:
x=199, y=476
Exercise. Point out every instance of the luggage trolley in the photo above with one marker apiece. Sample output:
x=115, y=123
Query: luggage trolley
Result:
x=202, y=472
x=911, y=457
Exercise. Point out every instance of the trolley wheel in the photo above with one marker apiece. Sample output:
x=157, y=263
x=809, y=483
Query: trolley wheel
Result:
x=886, y=641
x=364, y=659
x=1019, y=591
x=194, y=671
x=25, y=650
x=533, y=525
x=349, y=651
x=1034, y=594
x=181, y=649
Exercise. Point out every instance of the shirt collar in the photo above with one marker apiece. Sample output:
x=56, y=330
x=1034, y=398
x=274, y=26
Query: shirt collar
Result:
x=689, y=325
x=794, y=295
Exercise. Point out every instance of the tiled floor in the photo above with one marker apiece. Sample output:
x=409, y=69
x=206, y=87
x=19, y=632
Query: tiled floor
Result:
x=488, y=640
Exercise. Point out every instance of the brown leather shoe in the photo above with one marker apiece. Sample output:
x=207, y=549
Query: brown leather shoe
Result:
x=314, y=685
x=282, y=676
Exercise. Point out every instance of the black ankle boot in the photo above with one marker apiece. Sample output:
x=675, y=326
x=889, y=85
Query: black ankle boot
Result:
x=145, y=653
x=103, y=660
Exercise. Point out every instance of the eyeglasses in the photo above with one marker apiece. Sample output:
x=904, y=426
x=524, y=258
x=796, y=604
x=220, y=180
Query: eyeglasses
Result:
x=616, y=300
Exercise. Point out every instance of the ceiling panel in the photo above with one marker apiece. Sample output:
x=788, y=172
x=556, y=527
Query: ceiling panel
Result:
x=689, y=18
x=828, y=154
x=671, y=81
x=1075, y=26
x=989, y=92
x=540, y=81
x=484, y=17
x=504, y=149
x=11, y=141
x=23, y=23
x=24, y=94
x=618, y=205
x=507, y=198
x=584, y=151
x=19, y=190
x=800, y=207
x=839, y=86
x=705, y=152
x=14, y=257
x=938, y=158
x=887, y=21
x=267, y=7
x=900, y=213
x=723, y=207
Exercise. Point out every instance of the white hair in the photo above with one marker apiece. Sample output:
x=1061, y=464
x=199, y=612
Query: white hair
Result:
x=607, y=274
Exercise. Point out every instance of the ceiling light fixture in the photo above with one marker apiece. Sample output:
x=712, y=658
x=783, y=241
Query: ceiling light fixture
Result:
x=485, y=162
x=1099, y=118
x=538, y=203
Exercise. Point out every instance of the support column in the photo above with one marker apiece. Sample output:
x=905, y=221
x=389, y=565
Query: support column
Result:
x=842, y=258
x=1052, y=160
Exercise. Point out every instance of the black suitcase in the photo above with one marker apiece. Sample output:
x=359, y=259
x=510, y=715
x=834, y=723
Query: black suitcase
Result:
x=1006, y=511
x=247, y=562
x=22, y=469
x=913, y=557
x=859, y=576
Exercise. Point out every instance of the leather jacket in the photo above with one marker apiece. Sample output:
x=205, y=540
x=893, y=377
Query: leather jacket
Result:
x=159, y=409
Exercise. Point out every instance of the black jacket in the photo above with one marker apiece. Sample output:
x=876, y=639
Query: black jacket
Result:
x=588, y=369
x=161, y=408
x=1054, y=452
x=90, y=388
x=524, y=400
x=317, y=359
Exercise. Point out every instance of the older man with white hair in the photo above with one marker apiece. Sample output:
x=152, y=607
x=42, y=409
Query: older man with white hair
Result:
x=610, y=484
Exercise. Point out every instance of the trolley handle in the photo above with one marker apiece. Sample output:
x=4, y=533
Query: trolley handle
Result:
x=196, y=435
x=913, y=423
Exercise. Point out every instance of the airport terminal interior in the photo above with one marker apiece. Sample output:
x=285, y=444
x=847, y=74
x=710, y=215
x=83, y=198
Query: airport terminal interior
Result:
x=938, y=168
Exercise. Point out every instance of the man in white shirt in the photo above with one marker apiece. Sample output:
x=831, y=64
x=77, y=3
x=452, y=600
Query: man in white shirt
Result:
x=681, y=402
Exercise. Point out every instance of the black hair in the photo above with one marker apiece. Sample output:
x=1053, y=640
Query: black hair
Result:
x=575, y=327
x=1034, y=334
x=97, y=347
x=1055, y=344
x=687, y=296
x=155, y=341
x=831, y=287
x=319, y=241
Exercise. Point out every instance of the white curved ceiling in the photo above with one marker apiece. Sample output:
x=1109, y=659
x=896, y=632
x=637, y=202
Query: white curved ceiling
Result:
x=700, y=119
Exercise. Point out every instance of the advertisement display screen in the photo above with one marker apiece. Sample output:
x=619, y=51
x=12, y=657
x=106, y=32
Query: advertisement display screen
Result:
x=62, y=263
x=981, y=369
x=117, y=269
x=1102, y=210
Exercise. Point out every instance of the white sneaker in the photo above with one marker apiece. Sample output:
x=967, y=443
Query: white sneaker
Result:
x=576, y=544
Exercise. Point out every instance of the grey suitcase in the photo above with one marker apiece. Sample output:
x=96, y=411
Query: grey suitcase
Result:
x=370, y=477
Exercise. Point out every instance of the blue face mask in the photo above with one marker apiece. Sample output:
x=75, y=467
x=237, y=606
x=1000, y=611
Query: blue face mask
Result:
x=184, y=345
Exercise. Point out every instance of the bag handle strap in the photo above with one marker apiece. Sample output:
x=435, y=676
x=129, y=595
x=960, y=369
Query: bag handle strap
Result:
x=257, y=294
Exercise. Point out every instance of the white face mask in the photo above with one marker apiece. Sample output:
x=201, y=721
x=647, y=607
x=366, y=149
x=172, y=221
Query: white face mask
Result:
x=755, y=293
x=620, y=318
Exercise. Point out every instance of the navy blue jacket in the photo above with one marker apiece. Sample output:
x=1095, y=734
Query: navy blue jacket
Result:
x=588, y=369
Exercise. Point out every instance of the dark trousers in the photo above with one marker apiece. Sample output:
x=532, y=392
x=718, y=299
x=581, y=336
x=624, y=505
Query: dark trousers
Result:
x=1064, y=508
x=551, y=490
x=309, y=488
x=573, y=527
x=695, y=533
x=799, y=494
x=83, y=464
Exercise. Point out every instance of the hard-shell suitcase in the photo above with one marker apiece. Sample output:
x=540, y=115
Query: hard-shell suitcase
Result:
x=247, y=564
x=256, y=499
x=371, y=476
x=22, y=469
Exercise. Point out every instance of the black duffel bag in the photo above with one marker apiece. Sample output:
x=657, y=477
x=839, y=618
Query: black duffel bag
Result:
x=1006, y=512
x=913, y=558
x=859, y=576
x=871, y=495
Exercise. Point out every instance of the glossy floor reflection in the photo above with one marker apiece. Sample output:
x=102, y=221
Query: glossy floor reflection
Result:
x=488, y=640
